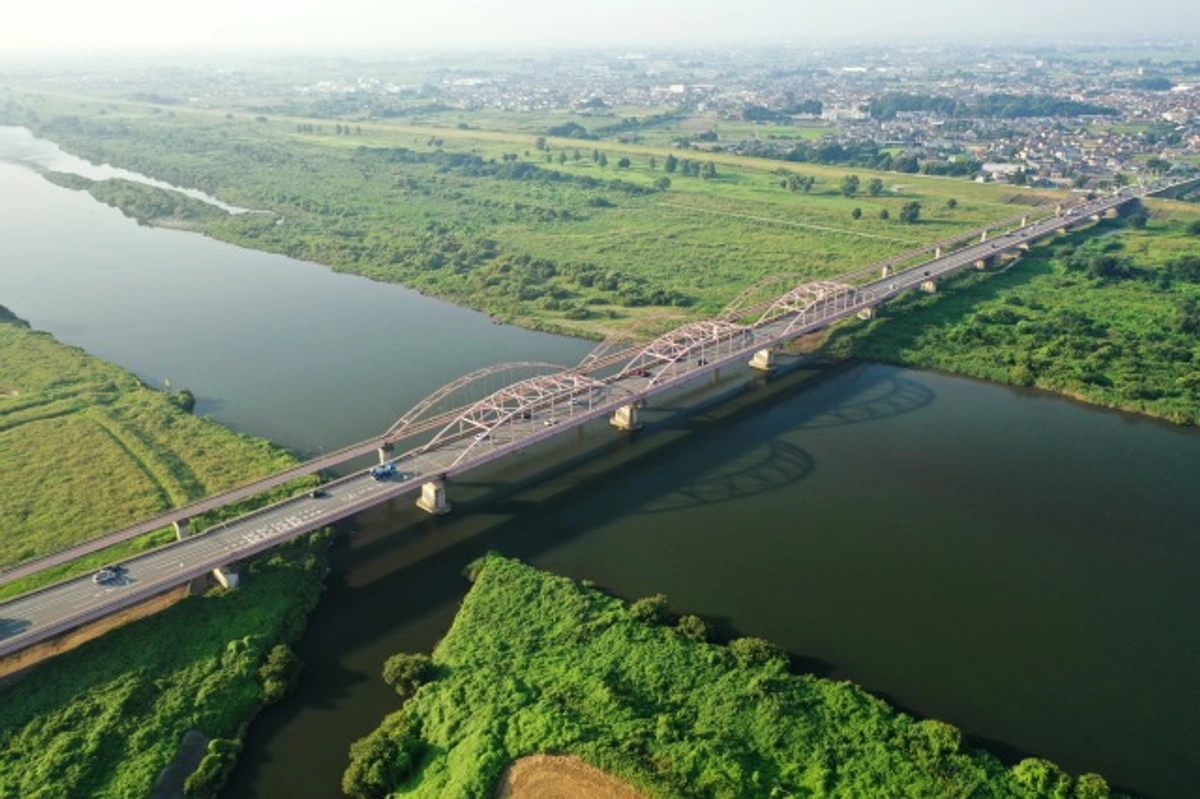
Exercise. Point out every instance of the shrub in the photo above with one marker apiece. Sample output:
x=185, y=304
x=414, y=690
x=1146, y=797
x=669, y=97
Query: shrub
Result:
x=755, y=651
x=406, y=673
x=693, y=627
x=652, y=609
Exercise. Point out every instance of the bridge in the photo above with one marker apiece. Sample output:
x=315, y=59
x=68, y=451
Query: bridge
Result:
x=494, y=412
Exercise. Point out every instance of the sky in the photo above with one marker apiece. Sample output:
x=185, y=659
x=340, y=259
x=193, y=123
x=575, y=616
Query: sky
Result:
x=85, y=26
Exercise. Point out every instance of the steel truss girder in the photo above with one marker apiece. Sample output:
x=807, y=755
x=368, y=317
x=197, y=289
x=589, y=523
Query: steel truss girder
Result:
x=418, y=411
x=712, y=338
x=489, y=414
x=810, y=302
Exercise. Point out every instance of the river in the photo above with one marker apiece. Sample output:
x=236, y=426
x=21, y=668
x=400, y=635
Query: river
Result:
x=1014, y=563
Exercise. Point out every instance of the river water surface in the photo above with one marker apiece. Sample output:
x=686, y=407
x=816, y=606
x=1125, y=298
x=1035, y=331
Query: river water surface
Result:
x=1016, y=564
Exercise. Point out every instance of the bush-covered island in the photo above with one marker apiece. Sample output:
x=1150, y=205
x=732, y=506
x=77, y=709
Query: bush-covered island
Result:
x=537, y=663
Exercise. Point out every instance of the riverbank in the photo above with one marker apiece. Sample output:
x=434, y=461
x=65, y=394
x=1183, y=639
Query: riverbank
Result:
x=1108, y=316
x=88, y=448
x=71, y=425
x=559, y=274
x=106, y=718
x=538, y=663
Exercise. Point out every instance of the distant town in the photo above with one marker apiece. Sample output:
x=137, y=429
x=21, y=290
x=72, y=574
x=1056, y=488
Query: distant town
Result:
x=1075, y=116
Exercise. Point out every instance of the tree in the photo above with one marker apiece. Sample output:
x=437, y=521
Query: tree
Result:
x=752, y=651
x=693, y=627
x=662, y=184
x=874, y=187
x=602, y=160
x=540, y=142
x=406, y=673
x=279, y=672
x=884, y=215
x=1194, y=228
x=623, y=162
x=910, y=212
x=952, y=203
x=856, y=213
x=850, y=185
x=709, y=171
x=653, y=162
x=651, y=609
x=671, y=164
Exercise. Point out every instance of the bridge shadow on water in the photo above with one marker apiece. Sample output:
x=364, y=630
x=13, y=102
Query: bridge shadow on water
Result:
x=397, y=576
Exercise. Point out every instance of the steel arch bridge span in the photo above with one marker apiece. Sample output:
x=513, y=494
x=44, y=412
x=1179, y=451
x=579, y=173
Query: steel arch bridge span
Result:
x=756, y=297
x=670, y=354
x=464, y=392
x=810, y=302
x=513, y=411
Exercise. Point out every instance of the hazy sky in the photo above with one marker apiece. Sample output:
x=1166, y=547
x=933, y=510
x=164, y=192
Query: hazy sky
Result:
x=89, y=25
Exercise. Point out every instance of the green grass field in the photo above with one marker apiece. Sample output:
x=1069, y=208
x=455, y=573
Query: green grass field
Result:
x=87, y=448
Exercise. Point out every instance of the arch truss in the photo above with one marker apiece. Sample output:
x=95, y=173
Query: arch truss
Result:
x=810, y=303
x=758, y=296
x=695, y=344
x=514, y=411
x=463, y=392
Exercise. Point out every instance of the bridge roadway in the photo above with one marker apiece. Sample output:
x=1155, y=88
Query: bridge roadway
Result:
x=510, y=420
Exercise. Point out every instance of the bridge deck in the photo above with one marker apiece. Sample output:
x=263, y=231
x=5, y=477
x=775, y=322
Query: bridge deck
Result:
x=47, y=612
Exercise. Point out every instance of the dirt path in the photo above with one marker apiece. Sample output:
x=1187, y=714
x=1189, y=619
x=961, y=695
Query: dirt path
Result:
x=556, y=777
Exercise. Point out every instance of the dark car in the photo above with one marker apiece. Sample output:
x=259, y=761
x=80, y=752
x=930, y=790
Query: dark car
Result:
x=105, y=577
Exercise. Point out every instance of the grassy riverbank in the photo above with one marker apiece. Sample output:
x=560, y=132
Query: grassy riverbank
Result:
x=105, y=719
x=554, y=238
x=536, y=663
x=1109, y=315
x=86, y=447
x=518, y=226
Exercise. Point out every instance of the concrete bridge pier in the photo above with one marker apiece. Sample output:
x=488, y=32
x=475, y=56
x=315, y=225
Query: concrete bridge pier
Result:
x=885, y=271
x=433, y=498
x=385, y=453
x=625, y=418
x=1024, y=221
x=983, y=236
x=182, y=529
x=937, y=253
x=228, y=576
x=763, y=360
x=982, y=263
x=929, y=286
x=870, y=312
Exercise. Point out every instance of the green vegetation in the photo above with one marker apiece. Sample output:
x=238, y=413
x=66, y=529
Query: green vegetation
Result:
x=536, y=663
x=108, y=717
x=1110, y=315
x=146, y=204
x=995, y=106
x=546, y=231
x=92, y=449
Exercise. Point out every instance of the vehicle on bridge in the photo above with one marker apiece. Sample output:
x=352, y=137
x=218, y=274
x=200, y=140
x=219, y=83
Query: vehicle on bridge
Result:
x=384, y=471
x=109, y=575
